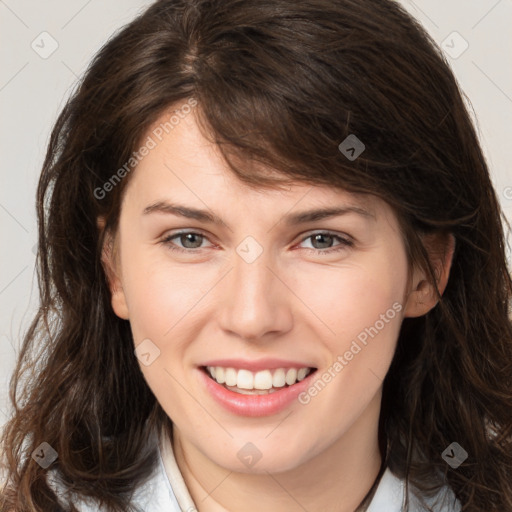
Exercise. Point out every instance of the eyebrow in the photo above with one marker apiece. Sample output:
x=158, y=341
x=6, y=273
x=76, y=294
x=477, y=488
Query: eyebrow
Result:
x=290, y=219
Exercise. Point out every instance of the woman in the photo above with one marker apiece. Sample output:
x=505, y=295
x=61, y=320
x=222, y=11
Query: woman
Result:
x=259, y=369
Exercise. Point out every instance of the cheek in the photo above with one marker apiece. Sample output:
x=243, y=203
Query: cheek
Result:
x=161, y=301
x=352, y=297
x=158, y=293
x=363, y=308
x=372, y=311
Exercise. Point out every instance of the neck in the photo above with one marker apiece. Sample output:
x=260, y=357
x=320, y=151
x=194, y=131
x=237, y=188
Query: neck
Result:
x=337, y=479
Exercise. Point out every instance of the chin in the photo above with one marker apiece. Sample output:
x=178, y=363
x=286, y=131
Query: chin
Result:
x=261, y=457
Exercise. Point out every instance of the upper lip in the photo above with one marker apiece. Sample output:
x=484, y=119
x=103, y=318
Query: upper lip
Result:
x=255, y=365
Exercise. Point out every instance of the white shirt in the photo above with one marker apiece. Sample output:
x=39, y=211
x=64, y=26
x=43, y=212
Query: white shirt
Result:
x=159, y=495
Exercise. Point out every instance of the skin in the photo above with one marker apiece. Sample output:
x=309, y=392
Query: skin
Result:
x=292, y=302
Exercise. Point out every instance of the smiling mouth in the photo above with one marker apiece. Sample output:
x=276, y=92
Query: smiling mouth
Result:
x=263, y=382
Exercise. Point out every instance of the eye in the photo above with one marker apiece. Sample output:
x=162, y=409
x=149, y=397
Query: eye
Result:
x=323, y=240
x=190, y=240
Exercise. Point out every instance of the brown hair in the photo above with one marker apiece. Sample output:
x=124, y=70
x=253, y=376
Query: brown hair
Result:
x=278, y=83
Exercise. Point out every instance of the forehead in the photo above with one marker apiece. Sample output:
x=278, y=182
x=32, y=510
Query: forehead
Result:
x=183, y=163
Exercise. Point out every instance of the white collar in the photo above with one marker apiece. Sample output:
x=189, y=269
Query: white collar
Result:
x=389, y=495
x=158, y=494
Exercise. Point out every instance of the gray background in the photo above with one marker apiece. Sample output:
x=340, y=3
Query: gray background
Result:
x=33, y=89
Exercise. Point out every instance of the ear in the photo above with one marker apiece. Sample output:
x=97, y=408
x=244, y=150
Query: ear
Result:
x=110, y=265
x=423, y=296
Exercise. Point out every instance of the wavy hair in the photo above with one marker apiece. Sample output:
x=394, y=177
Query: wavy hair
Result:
x=278, y=84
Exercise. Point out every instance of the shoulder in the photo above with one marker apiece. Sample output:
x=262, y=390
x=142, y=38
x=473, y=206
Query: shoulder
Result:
x=390, y=496
x=157, y=494
x=154, y=494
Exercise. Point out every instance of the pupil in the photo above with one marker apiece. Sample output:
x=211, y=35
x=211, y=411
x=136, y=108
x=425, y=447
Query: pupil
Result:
x=187, y=237
x=319, y=236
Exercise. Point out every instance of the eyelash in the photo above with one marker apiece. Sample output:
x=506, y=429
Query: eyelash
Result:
x=344, y=242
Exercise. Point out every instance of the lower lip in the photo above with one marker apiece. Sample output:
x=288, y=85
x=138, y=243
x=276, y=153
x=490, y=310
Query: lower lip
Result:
x=254, y=405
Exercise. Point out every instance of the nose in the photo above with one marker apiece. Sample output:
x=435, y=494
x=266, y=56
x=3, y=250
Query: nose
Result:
x=255, y=302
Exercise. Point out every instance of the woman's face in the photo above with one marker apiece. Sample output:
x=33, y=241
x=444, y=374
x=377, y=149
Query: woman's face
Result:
x=251, y=288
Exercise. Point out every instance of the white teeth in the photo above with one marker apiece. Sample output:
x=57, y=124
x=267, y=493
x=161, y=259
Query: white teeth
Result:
x=278, y=379
x=231, y=377
x=245, y=380
x=265, y=381
x=291, y=376
x=251, y=391
x=220, y=375
x=301, y=374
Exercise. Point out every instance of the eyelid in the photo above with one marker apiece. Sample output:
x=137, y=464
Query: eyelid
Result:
x=166, y=238
x=344, y=236
x=345, y=241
